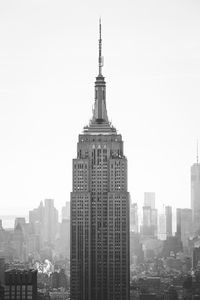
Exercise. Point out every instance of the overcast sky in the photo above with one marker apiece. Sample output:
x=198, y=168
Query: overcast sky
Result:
x=48, y=64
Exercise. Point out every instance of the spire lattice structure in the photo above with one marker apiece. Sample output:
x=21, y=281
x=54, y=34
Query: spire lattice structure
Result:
x=100, y=50
x=100, y=121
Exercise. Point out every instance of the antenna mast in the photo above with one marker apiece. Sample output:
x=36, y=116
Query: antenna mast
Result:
x=100, y=49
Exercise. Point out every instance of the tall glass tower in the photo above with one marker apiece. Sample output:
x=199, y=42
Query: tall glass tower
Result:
x=195, y=195
x=100, y=208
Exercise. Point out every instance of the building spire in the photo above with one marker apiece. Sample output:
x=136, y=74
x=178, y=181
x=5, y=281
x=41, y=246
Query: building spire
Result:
x=100, y=50
x=100, y=122
x=197, y=151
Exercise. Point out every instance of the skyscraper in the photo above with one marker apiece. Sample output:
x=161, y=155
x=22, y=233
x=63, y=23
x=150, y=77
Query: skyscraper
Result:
x=66, y=211
x=162, y=226
x=100, y=208
x=150, y=215
x=184, y=225
x=195, y=195
x=168, y=214
x=150, y=220
x=50, y=222
x=149, y=199
x=178, y=222
x=134, y=217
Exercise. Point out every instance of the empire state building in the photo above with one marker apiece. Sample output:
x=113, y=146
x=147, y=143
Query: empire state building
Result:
x=100, y=208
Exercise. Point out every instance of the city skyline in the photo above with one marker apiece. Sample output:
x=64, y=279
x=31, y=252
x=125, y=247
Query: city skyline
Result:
x=47, y=69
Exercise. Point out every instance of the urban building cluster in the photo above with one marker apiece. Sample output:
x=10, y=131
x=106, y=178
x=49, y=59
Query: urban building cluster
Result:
x=159, y=225
x=43, y=237
x=166, y=264
x=35, y=255
x=100, y=250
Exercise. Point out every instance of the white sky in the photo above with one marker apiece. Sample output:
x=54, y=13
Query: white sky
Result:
x=48, y=64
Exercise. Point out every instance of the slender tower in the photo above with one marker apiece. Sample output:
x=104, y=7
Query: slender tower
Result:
x=168, y=215
x=100, y=207
x=195, y=194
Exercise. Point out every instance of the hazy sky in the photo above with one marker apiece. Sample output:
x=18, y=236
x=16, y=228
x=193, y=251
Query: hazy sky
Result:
x=48, y=64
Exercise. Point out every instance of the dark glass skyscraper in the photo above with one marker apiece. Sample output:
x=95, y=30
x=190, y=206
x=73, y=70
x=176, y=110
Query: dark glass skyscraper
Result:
x=100, y=208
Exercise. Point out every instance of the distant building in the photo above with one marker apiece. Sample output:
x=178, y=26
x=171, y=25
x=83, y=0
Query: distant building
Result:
x=33, y=244
x=50, y=222
x=20, y=284
x=162, y=227
x=171, y=246
x=134, y=217
x=150, y=215
x=2, y=270
x=21, y=221
x=36, y=221
x=64, y=239
x=146, y=216
x=195, y=195
x=44, y=227
x=37, y=214
x=178, y=223
x=59, y=280
x=147, y=228
x=196, y=257
x=136, y=251
x=149, y=199
x=2, y=240
x=154, y=221
x=184, y=225
x=168, y=214
x=18, y=242
x=66, y=211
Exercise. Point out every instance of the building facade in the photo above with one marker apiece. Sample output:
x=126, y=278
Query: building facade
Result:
x=100, y=208
x=20, y=285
